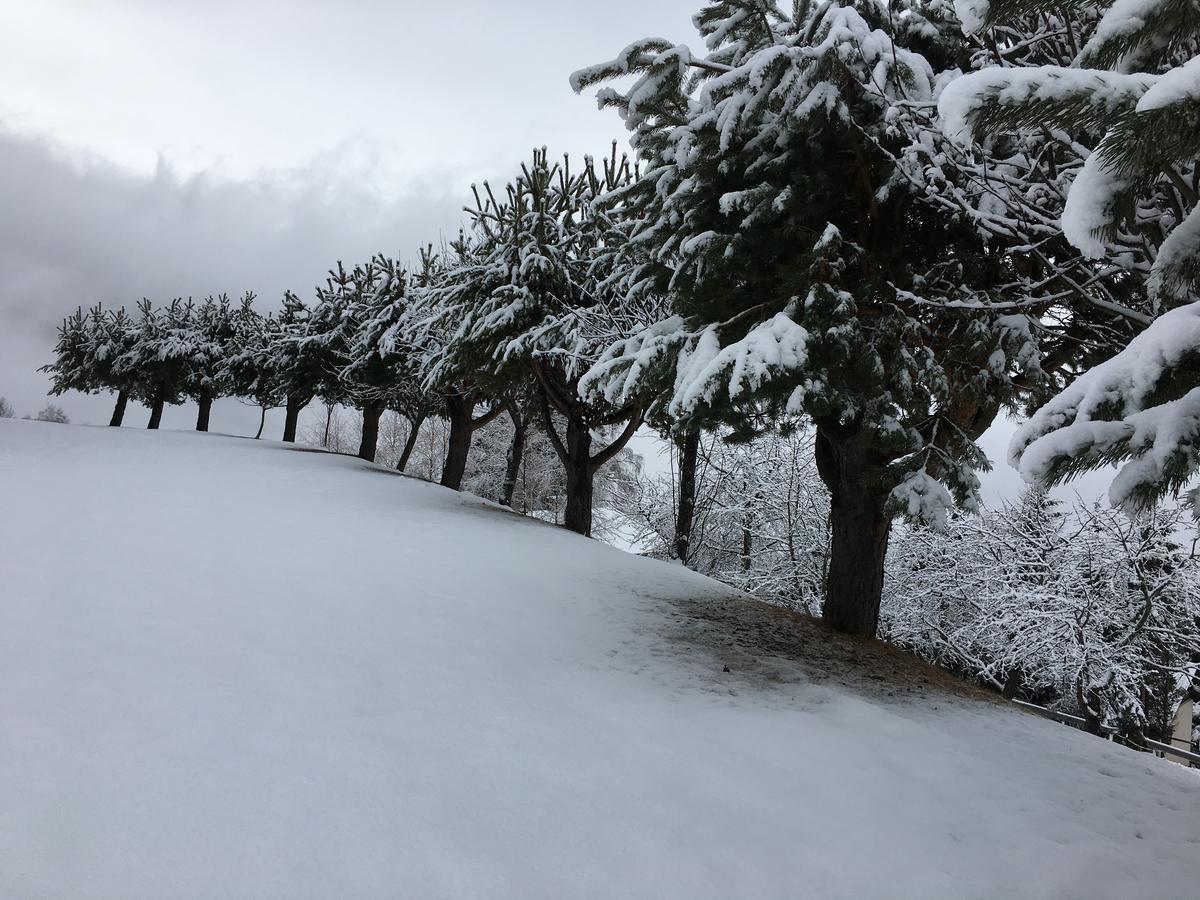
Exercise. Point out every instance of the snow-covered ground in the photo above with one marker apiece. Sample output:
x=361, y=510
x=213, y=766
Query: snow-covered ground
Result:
x=229, y=668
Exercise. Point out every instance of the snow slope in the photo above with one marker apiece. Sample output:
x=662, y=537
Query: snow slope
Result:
x=229, y=668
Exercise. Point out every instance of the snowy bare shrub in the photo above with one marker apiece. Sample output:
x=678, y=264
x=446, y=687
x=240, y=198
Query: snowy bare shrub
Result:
x=761, y=520
x=1084, y=608
x=6, y=409
x=333, y=427
x=52, y=413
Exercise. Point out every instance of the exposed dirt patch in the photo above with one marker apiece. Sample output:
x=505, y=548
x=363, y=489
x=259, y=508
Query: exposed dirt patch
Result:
x=776, y=645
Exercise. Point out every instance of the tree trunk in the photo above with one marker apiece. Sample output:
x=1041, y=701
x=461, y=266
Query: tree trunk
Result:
x=747, y=537
x=860, y=525
x=205, y=403
x=372, y=412
x=156, y=408
x=1012, y=684
x=291, y=419
x=118, y=415
x=516, y=452
x=580, y=476
x=328, y=424
x=689, y=449
x=458, y=448
x=1089, y=704
x=262, y=421
x=410, y=444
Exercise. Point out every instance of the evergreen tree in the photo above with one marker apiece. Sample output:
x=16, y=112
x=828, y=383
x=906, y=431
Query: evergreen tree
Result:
x=212, y=343
x=162, y=342
x=1135, y=82
x=312, y=344
x=112, y=338
x=808, y=275
x=432, y=338
x=251, y=355
x=380, y=373
x=90, y=356
x=6, y=409
x=511, y=305
x=298, y=370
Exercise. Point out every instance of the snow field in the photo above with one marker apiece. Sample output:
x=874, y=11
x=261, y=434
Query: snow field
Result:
x=229, y=668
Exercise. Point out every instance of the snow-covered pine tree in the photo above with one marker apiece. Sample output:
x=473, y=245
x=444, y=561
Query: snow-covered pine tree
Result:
x=1136, y=83
x=87, y=356
x=250, y=357
x=73, y=368
x=808, y=275
x=112, y=336
x=299, y=368
x=424, y=334
x=159, y=356
x=313, y=342
x=380, y=371
x=512, y=302
x=366, y=377
x=212, y=343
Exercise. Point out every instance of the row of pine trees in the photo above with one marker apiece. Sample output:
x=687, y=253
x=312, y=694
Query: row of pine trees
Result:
x=803, y=234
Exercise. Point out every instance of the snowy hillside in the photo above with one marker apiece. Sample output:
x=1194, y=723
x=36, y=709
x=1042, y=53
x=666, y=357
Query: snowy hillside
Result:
x=230, y=668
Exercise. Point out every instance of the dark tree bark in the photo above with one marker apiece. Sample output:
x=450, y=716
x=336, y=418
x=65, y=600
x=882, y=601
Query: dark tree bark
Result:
x=262, y=421
x=575, y=448
x=580, y=476
x=328, y=423
x=156, y=408
x=516, y=452
x=689, y=450
x=371, y=413
x=458, y=447
x=410, y=443
x=460, y=411
x=291, y=419
x=118, y=415
x=205, y=402
x=1012, y=684
x=860, y=525
x=1090, y=704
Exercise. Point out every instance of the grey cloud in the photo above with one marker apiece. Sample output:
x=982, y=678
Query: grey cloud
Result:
x=75, y=231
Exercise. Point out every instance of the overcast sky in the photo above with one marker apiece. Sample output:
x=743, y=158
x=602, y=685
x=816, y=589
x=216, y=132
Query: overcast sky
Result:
x=186, y=148
x=189, y=147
